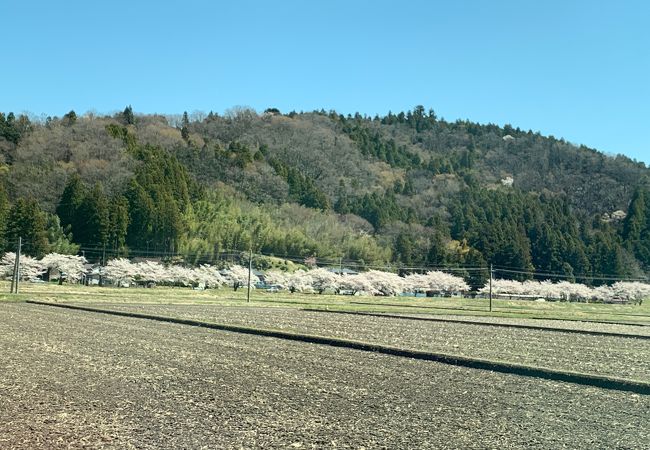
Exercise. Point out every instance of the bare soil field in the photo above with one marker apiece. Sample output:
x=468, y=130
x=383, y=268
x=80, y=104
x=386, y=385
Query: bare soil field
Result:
x=615, y=356
x=74, y=379
x=643, y=330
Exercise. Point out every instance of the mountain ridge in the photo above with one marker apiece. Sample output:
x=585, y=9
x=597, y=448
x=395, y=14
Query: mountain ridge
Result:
x=419, y=189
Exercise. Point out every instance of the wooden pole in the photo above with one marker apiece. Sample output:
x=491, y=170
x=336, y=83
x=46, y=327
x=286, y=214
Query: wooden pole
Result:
x=13, y=274
x=20, y=244
x=250, y=269
x=490, y=287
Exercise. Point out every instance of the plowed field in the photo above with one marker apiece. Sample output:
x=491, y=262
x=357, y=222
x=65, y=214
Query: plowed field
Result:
x=74, y=379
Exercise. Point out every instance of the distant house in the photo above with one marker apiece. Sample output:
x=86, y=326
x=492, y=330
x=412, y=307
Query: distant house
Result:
x=343, y=271
x=615, y=216
x=508, y=138
x=93, y=275
x=507, y=181
x=139, y=259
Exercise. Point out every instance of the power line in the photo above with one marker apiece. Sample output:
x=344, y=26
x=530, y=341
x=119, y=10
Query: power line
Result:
x=542, y=274
x=554, y=274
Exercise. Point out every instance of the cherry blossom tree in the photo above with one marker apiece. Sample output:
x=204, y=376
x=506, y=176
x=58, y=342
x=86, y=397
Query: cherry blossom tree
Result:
x=152, y=272
x=7, y=264
x=120, y=271
x=384, y=283
x=323, y=280
x=357, y=284
x=70, y=265
x=208, y=275
x=238, y=277
x=436, y=281
x=175, y=274
x=277, y=278
x=631, y=291
x=300, y=281
x=30, y=268
x=566, y=291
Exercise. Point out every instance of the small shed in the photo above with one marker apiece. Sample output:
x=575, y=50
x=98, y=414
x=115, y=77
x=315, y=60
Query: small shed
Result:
x=343, y=271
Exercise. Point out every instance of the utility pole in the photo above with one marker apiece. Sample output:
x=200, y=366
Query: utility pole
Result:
x=15, y=280
x=250, y=269
x=491, y=287
x=13, y=274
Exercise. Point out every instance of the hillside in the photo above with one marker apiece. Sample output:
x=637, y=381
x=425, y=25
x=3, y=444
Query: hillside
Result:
x=406, y=189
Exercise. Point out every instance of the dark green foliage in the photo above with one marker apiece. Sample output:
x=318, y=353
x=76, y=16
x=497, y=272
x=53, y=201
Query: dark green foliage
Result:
x=122, y=133
x=185, y=131
x=59, y=238
x=606, y=256
x=371, y=143
x=302, y=188
x=523, y=232
x=85, y=212
x=127, y=116
x=636, y=227
x=157, y=196
x=28, y=221
x=378, y=209
x=119, y=223
x=73, y=196
x=13, y=130
x=141, y=215
x=93, y=219
x=69, y=119
x=241, y=154
x=4, y=213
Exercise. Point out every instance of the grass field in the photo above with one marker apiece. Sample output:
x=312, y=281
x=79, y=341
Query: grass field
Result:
x=633, y=314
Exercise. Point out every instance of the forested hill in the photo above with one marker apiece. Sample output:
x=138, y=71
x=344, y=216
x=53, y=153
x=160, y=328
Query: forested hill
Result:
x=406, y=189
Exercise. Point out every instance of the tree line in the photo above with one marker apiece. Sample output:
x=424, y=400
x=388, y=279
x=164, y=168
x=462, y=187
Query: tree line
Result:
x=407, y=189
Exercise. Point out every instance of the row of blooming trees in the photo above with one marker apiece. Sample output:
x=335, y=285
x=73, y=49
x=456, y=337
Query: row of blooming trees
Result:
x=622, y=290
x=53, y=264
x=123, y=272
x=373, y=282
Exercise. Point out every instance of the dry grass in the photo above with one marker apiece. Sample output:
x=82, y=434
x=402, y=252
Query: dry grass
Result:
x=633, y=314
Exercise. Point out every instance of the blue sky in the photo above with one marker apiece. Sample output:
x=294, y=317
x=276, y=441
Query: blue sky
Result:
x=573, y=69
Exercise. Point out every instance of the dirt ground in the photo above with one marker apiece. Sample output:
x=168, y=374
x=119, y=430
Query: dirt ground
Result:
x=73, y=379
x=615, y=356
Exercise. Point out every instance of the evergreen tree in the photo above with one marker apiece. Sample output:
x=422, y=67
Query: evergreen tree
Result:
x=127, y=115
x=4, y=213
x=185, y=131
x=119, y=223
x=68, y=208
x=59, y=240
x=636, y=227
x=94, y=219
x=69, y=119
x=27, y=220
x=141, y=216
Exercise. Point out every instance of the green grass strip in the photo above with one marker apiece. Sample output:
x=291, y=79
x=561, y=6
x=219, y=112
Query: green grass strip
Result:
x=586, y=379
